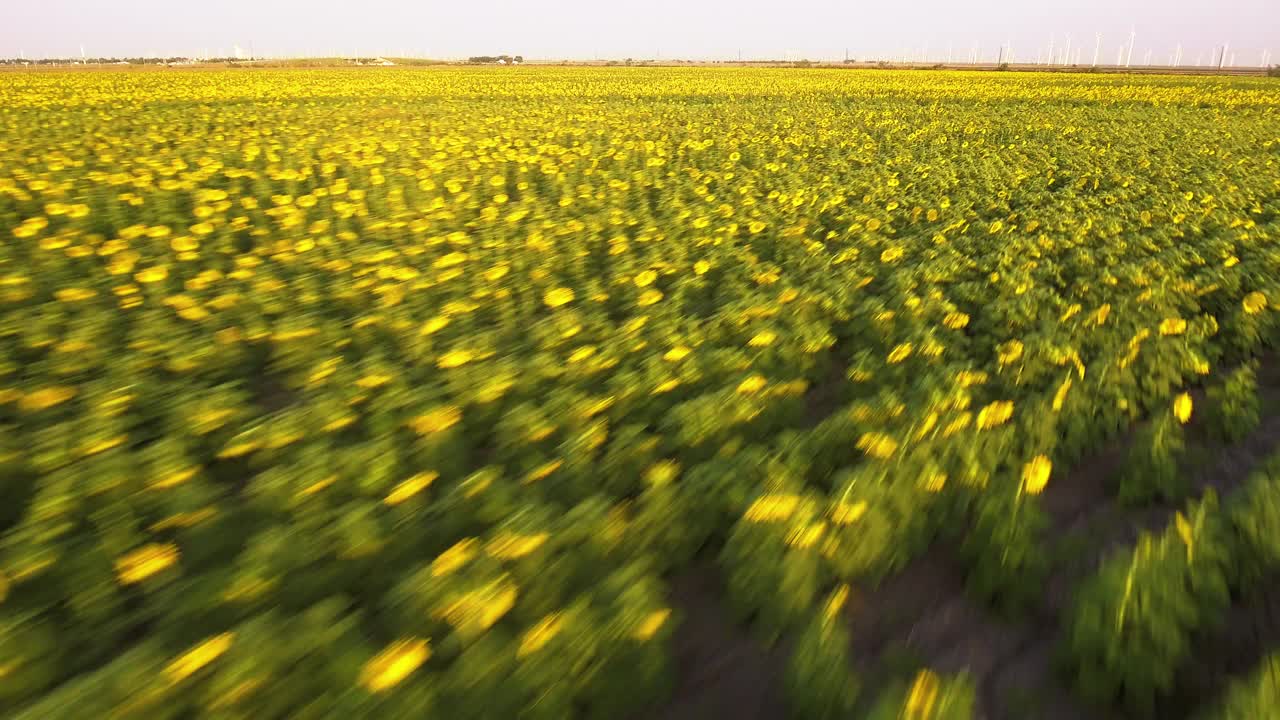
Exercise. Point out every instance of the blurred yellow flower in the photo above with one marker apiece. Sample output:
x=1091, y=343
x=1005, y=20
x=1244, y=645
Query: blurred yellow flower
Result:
x=878, y=445
x=650, y=625
x=152, y=274
x=437, y=420
x=146, y=561
x=395, y=663
x=557, y=297
x=511, y=546
x=901, y=352
x=676, y=353
x=408, y=488
x=666, y=386
x=541, y=633
x=848, y=513
x=1009, y=352
x=46, y=397
x=1035, y=474
x=455, y=358
x=198, y=657
x=923, y=696
x=649, y=297
x=70, y=295
x=461, y=553
x=771, y=508
x=1182, y=408
x=995, y=414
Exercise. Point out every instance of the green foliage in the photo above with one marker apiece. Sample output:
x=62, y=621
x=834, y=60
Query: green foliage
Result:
x=1251, y=698
x=1254, y=511
x=1132, y=624
x=772, y=561
x=881, y=518
x=1151, y=469
x=1234, y=407
x=820, y=682
x=130, y=687
x=1005, y=548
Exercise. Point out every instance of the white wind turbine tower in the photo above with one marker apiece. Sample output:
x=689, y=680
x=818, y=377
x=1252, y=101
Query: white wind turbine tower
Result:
x=1066, y=55
x=1177, y=56
x=1146, y=59
x=1097, y=48
x=1128, y=58
x=1050, y=49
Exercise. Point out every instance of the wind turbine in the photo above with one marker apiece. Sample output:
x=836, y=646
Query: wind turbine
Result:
x=1097, y=48
x=1133, y=35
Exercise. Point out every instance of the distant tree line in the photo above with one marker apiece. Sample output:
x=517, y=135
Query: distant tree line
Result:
x=495, y=59
x=110, y=61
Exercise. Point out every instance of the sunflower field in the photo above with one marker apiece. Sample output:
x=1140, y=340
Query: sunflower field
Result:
x=405, y=393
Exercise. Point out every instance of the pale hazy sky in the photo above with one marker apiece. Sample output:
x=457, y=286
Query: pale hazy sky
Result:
x=816, y=29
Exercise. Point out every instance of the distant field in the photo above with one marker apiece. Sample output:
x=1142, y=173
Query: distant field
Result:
x=660, y=392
